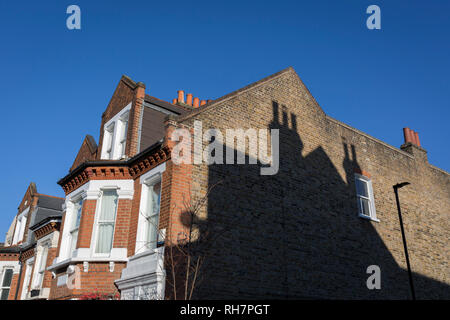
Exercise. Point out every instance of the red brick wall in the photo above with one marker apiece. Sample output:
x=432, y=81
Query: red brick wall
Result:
x=121, y=228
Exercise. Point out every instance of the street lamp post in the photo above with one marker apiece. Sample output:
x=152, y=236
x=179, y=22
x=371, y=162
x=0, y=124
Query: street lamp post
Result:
x=396, y=187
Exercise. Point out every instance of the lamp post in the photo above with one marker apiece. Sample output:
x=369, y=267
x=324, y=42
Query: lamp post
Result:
x=396, y=187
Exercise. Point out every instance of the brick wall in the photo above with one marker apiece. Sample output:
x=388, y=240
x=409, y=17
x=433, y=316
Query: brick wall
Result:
x=297, y=234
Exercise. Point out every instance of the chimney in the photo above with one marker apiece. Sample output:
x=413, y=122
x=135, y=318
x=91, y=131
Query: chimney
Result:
x=411, y=136
x=180, y=96
x=174, y=101
x=196, y=102
x=189, y=99
x=202, y=102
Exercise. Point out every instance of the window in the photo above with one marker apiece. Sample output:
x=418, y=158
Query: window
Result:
x=151, y=212
x=108, y=141
x=75, y=225
x=115, y=135
x=40, y=268
x=123, y=134
x=106, y=221
x=27, y=278
x=6, y=284
x=365, y=199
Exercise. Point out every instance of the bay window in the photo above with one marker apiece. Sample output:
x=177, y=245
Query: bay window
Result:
x=40, y=268
x=106, y=221
x=75, y=225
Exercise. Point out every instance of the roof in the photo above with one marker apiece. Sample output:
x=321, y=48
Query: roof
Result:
x=166, y=105
x=47, y=207
x=50, y=202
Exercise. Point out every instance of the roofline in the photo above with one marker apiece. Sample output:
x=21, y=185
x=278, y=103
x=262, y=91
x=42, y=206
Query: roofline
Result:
x=116, y=163
x=43, y=222
x=234, y=94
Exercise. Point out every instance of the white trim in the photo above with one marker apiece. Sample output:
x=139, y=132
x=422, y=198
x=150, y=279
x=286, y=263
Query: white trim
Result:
x=158, y=169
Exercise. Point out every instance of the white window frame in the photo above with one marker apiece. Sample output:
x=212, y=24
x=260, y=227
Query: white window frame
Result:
x=72, y=227
x=114, y=149
x=146, y=179
x=39, y=272
x=372, y=212
x=97, y=221
x=109, y=145
x=27, y=278
x=3, y=278
x=123, y=126
x=21, y=223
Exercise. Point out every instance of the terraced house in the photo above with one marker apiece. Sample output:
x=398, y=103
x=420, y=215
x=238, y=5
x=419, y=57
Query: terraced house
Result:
x=309, y=231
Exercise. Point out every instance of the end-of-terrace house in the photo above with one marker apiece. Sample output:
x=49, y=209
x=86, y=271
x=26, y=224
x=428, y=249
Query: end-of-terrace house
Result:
x=30, y=246
x=309, y=231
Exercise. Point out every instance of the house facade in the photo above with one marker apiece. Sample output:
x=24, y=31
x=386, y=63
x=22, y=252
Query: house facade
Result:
x=311, y=229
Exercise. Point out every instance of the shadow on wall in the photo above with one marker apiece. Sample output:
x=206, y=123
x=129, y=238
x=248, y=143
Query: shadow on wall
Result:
x=296, y=234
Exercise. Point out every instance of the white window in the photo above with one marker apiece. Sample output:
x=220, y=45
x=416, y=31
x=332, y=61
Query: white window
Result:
x=108, y=141
x=364, y=196
x=75, y=225
x=19, y=231
x=6, y=283
x=40, y=267
x=106, y=221
x=27, y=278
x=115, y=135
x=152, y=199
x=123, y=123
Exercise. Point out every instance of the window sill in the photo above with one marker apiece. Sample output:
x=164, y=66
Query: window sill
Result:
x=70, y=261
x=368, y=218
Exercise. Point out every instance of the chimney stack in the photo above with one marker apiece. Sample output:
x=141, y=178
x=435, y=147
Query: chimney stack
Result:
x=411, y=136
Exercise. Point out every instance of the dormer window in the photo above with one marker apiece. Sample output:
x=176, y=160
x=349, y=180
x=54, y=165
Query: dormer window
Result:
x=108, y=141
x=123, y=123
x=115, y=135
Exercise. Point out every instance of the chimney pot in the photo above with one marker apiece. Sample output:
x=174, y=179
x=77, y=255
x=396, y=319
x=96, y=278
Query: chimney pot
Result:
x=202, y=102
x=181, y=96
x=407, y=135
x=196, y=102
x=174, y=101
x=189, y=99
x=416, y=135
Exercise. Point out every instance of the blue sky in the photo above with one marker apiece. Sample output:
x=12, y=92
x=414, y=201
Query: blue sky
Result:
x=56, y=82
